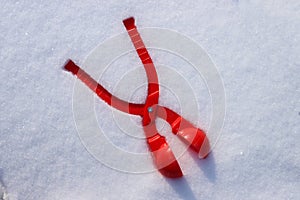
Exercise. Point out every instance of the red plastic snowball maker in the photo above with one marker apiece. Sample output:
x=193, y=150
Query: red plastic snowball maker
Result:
x=163, y=156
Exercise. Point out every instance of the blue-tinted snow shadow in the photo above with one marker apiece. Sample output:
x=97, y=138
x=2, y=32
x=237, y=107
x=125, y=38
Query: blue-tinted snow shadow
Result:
x=207, y=165
x=182, y=188
x=1, y=176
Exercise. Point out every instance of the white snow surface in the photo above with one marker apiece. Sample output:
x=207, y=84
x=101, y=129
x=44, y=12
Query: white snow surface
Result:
x=255, y=46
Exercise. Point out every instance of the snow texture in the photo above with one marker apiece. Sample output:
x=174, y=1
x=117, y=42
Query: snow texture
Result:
x=255, y=46
x=1, y=192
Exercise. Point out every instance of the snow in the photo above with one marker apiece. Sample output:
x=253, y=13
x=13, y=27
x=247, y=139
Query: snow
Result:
x=255, y=47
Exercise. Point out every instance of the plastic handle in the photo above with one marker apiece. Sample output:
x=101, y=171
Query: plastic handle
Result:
x=100, y=91
x=137, y=41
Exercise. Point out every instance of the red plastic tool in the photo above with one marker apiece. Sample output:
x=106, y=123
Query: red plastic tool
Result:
x=163, y=156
